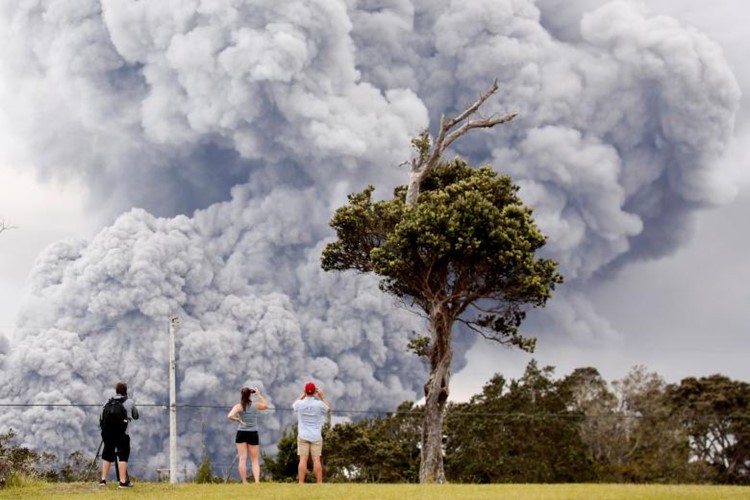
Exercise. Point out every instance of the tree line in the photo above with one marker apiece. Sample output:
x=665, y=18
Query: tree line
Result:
x=542, y=429
x=534, y=429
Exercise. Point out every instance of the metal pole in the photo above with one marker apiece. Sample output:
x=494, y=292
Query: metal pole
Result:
x=173, y=321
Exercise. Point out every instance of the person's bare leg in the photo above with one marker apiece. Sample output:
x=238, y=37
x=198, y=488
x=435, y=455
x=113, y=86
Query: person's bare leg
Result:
x=254, y=462
x=105, y=469
x=302, y=468
x=318, y=470
x=123, y=468
x=242, y=461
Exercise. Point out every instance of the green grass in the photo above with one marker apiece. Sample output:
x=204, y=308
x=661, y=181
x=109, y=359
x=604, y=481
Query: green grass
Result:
x=280, y=491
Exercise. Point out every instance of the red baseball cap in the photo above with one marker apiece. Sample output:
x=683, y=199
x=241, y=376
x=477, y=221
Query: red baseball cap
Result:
x=310, y=389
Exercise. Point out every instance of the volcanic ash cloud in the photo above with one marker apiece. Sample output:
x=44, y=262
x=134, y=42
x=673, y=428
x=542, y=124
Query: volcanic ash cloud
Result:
x=238, y=127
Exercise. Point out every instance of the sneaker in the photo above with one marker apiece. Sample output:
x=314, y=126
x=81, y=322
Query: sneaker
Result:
x=126, y=484
x=102, y=482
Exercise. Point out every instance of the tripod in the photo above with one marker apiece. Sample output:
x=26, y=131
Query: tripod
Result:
x=96, y=457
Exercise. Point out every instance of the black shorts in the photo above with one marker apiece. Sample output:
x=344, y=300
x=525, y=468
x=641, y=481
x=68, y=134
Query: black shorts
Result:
x=117, y=445
x=249, y=437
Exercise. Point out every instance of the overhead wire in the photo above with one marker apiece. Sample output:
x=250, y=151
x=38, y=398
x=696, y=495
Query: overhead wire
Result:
x=394, y=413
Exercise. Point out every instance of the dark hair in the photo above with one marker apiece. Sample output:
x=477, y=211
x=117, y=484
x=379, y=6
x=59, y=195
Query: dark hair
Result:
x=245, y=397
x=121, y=388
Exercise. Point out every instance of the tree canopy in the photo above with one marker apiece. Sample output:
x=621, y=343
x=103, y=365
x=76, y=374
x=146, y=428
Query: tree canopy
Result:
x=539, y=428
x=715, y=411
x=464, y=252
x=376, y=450
x=520, y=431
x=468, y=245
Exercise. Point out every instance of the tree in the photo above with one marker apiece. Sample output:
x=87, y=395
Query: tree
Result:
x=600, y=427
x=284, y=466
x=465, y=252
x=630, y=431
x=381, y=449
x=656, y=444
x=205, y=472
x=520, y=432
x=716, y=412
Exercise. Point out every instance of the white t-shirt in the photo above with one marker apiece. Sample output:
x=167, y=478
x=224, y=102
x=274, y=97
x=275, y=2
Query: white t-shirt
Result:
x=311, y=415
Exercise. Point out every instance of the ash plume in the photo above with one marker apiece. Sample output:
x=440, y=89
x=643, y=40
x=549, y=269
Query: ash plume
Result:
x=237, y=127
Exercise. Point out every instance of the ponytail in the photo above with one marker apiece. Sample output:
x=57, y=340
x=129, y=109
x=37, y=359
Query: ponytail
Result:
x=245, y=398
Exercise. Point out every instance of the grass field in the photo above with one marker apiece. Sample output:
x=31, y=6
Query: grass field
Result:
x=378, y=491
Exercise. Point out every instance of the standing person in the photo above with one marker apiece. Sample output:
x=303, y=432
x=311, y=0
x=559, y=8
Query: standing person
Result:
x=311, y=413
x=247, y=441
x=117, y=413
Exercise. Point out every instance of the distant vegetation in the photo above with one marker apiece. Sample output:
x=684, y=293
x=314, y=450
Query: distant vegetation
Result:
x=536, y=429
x=539, y=429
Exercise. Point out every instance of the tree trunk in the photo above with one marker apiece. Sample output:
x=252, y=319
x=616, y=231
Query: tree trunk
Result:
x=436, y=396
x=412, y=191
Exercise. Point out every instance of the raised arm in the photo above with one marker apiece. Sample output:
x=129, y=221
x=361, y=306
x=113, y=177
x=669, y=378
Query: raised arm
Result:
x=261, y=404
x=324, y=400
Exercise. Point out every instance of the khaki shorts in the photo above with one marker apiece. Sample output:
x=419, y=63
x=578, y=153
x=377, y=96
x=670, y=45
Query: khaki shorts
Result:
x=305, y=447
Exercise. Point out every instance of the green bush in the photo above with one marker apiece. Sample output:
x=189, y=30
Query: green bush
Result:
x=205, y=472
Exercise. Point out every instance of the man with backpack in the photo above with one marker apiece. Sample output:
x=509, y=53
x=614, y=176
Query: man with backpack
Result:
x=116, y=414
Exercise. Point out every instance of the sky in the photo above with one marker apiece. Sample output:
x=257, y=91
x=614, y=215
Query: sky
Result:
x=184, y=158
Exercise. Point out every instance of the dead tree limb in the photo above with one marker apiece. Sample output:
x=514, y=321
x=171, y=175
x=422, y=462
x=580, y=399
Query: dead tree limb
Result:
x=428, y=154
x=4, y=226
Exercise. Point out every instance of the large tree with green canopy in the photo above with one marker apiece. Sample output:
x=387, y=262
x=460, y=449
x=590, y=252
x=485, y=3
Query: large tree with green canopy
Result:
x=456, y=245
x=715, y=411
x=465, y=252
x=518, y=431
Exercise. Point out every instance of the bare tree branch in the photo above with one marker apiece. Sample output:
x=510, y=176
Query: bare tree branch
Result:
x=4, y=226
x=428, y=154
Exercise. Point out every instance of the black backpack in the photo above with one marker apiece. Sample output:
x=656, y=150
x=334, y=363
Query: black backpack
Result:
x=114, y=417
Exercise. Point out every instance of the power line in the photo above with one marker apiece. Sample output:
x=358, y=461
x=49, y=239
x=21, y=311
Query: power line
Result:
x=394, y=413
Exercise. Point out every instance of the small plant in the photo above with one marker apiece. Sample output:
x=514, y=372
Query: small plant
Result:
x=205, y=471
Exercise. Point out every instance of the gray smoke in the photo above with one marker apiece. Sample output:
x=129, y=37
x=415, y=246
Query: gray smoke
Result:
x=238, y=127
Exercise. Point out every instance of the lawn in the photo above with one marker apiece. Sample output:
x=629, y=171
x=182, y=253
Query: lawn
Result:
x=378, y=491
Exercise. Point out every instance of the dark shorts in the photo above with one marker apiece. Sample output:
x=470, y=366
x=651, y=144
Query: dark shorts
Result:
x=249, y=437
x=118, y=445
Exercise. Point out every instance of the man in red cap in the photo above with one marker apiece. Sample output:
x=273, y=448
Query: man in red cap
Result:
x=311, y=415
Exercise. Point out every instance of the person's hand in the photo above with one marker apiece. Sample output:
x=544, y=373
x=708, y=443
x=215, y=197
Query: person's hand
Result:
x=257, y=392
x=319, y=391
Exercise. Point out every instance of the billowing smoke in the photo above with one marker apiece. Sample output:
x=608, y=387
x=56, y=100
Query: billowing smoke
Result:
x=237, y=127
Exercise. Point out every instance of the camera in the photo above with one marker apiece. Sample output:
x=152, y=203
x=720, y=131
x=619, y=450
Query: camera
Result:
x=252, y=391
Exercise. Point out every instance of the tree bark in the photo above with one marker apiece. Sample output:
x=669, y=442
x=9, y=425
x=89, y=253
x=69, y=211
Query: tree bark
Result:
x=436, y=396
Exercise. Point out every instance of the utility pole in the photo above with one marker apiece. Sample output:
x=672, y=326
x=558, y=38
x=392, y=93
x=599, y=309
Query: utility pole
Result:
x=173, y=323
